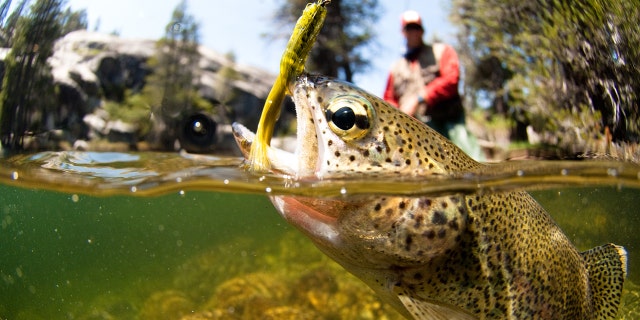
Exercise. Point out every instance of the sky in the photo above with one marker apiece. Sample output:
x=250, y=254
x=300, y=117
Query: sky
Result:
x=238, y=27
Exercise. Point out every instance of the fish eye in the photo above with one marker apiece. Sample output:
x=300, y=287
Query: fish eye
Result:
x=344, y=118
x=349, y=117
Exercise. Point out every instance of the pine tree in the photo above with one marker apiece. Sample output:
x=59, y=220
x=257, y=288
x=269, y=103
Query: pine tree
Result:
x=9, y=24
x=28, y=91
x=172, y=88
x=348, y=29
x=73, y=20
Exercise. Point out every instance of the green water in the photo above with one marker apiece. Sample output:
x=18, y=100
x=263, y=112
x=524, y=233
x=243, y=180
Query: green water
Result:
x=165, y=236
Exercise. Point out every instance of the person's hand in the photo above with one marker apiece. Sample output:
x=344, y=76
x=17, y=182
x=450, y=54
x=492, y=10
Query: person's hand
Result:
x=410, y=105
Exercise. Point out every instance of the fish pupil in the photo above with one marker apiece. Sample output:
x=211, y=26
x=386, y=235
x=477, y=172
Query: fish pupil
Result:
x=344, y=118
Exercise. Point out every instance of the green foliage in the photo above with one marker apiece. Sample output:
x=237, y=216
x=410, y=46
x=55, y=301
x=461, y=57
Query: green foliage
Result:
x=9, y=24
x=348, y=30
x=172, y=87
x=548, y=59
x=135, y=109
x=28, y=90
x=73, y=20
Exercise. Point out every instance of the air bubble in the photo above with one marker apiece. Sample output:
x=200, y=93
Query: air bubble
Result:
x=14, y=175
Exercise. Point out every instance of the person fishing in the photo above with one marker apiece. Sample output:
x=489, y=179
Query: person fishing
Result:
x=424, y=84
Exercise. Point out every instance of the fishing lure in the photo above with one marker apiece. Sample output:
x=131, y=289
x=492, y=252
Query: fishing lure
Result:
x=292, y=63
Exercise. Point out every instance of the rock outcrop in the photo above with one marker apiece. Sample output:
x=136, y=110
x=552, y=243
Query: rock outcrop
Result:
x=90, y=68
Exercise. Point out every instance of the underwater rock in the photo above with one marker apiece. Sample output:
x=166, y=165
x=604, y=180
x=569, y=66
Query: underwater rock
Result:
x=335, y=294
x=249, y=296
x=168, y=304
x=108, y=307
x=92, y=68
x=288, y=312
x=199, y=276
x=630, y=304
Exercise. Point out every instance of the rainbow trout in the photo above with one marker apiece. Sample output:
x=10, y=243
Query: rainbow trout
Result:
x=460, y=256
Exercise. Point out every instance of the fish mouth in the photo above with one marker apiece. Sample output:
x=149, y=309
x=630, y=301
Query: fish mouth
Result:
x=281, y=161
x=304, y=161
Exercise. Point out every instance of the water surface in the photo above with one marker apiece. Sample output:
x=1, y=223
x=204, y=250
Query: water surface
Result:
x=88, y=235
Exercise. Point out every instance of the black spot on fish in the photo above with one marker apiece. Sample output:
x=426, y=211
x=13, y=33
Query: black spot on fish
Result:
x=429, y=234
x=408, y=242
x=418, y=220
x=442, y=233
x=425, y=203
x=439, y=218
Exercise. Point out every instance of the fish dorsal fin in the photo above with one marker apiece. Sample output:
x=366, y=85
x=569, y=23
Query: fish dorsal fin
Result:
x=607, y=267
x=425, y=310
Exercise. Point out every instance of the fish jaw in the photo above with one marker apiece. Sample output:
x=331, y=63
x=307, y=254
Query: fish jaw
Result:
x=281, y=161
x=320, y=227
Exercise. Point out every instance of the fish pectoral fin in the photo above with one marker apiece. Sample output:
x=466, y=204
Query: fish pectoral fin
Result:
x=426, y=310
x=607, y=268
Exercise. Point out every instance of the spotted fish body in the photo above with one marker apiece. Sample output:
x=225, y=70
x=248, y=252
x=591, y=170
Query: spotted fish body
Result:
x=489, y=256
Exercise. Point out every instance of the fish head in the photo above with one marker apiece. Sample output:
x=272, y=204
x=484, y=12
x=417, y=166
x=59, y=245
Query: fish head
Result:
x=344, y=131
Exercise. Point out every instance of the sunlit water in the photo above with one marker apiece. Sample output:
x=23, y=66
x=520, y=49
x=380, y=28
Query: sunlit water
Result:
x=89, y=235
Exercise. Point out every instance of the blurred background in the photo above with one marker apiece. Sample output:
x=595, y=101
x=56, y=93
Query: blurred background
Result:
x=541, y=79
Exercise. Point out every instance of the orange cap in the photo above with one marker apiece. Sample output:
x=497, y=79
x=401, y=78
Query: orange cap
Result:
x=411, y=17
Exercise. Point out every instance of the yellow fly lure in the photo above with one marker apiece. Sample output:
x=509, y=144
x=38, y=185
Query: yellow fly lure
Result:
x=291, y=66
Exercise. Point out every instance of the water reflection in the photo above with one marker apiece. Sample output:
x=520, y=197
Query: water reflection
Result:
x=158, y=173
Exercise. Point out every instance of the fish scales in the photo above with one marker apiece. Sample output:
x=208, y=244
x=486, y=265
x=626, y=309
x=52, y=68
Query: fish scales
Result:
x=460, y=256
